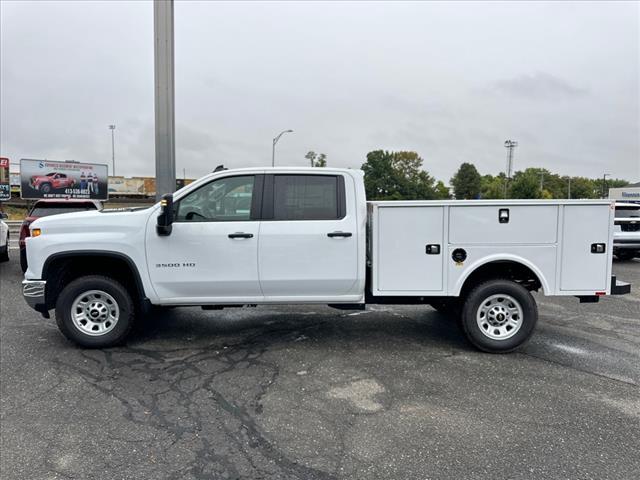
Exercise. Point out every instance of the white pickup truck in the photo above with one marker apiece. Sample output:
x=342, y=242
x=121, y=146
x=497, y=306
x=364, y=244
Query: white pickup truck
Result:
x=308, y=236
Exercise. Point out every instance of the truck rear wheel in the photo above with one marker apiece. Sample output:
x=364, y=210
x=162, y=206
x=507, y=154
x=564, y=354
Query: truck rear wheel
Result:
x=499, y=316
x=95, y=312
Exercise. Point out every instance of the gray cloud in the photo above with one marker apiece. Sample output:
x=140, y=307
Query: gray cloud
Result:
x=539, y=86
x=449, y=80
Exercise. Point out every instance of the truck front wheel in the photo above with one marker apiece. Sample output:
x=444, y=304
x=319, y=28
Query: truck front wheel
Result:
x=95, y=311
x=499, y=316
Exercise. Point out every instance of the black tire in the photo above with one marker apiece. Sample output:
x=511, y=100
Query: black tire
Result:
x=625, y=255
x=45, y=188
x=489, y=296
x=107, y=285
x=4, y=252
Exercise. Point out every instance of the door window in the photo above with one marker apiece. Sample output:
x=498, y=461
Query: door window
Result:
x=308, y=197
x=227, y=199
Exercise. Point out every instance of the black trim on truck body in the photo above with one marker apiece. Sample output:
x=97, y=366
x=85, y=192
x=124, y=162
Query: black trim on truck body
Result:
x=104, y=254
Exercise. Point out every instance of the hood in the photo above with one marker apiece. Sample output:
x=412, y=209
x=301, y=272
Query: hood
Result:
x=92, y=220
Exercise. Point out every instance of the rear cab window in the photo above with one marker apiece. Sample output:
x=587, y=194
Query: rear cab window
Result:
x=304, y=197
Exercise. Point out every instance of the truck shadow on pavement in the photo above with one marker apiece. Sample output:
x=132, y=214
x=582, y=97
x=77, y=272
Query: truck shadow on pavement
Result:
x=325, y=326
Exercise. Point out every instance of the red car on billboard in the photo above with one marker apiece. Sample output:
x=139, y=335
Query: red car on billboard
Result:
x=51, y=181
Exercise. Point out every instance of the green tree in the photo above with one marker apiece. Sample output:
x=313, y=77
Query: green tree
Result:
x=442, y=191
x=609, y=183
x=493, y=187
x=526, y=184
x=467, y=182
x=397, y=176
x=316, y=160
x=581, y=187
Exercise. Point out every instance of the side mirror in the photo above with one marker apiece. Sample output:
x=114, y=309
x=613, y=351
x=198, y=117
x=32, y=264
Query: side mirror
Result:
x=165, y=219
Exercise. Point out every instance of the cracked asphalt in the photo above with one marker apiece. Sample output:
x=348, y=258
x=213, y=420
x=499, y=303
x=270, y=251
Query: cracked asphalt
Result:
x=315, y=393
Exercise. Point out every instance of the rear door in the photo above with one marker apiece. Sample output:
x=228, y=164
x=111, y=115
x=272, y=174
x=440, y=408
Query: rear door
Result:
x=308, y=237
x=585, y=267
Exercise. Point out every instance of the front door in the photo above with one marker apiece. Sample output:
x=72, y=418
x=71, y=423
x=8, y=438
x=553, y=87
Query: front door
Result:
x=211, y=254
x=308, y=238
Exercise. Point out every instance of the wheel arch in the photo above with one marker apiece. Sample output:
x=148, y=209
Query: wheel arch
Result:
x=510, y=267
x=61, y=268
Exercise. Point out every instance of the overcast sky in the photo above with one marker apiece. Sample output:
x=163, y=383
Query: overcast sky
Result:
x=451, y=81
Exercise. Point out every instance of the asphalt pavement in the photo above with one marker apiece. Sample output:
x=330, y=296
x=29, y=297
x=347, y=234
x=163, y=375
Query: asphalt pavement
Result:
x=297, y=392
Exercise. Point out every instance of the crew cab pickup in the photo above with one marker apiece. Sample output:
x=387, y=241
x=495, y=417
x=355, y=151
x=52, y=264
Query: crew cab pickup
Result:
x=308, y=236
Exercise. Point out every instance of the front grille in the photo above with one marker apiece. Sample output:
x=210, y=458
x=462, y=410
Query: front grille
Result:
x=630, y=227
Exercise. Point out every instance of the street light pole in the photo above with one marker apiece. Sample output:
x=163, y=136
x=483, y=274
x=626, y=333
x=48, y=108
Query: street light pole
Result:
x=509, y=145
x=273, y=150
x=164, y=97
x=113, y=149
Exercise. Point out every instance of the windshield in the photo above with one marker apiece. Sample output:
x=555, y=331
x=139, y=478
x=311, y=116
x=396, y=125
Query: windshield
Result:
x=56, y=209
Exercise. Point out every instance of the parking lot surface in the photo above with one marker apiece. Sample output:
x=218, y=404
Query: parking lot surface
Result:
x=315, y=393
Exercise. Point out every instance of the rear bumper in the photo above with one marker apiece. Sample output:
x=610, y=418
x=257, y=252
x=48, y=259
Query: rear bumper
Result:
x=619, y=287
x=33, y=292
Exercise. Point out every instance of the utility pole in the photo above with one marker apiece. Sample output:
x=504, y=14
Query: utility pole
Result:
x=273, y=150
x=541, y=182
x=509, y=145
x=604, y=184
x=569, y=189
x=164, y=97
x=113, y=149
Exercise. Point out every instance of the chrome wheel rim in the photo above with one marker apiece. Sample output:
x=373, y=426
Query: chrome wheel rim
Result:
x=95, y=313
x=499, y=317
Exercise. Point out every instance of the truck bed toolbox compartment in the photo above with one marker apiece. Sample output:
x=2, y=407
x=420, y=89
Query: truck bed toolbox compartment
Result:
x=503, y=224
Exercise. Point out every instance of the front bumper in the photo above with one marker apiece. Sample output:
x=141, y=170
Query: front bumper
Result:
x=33, y=292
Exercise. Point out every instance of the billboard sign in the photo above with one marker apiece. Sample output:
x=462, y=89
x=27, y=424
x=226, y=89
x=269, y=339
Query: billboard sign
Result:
x=47, y=179
x=5, y=179
x=126, y=186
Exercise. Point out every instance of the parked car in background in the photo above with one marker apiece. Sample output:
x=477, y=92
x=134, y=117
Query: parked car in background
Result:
x=46, y=208
x=626, y=234
x=51, y=181
x=4, y=238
